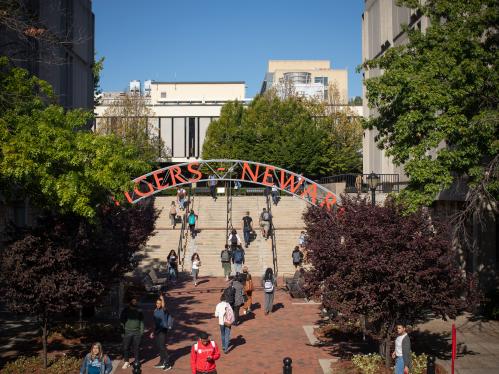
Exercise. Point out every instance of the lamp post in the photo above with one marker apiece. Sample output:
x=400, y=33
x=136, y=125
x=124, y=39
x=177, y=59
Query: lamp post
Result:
x=373, y=182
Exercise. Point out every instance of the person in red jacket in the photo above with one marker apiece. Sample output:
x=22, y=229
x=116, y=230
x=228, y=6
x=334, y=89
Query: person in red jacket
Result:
x=204, y=353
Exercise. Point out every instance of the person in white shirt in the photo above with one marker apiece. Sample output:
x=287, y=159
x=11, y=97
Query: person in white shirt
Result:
x=221, y=309
x=402, y=353
x=196, y=263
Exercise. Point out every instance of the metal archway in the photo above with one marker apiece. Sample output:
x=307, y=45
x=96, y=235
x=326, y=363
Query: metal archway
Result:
x=231, y=170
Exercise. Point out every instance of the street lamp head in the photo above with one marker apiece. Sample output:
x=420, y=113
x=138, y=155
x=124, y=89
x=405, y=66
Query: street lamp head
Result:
x=373, y=181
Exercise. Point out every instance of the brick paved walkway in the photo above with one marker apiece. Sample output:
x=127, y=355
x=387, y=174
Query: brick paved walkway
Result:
x=259, y=344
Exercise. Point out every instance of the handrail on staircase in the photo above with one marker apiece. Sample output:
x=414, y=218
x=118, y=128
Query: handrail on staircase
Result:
x=228, y=193
x=272, y=234
x=182, y=241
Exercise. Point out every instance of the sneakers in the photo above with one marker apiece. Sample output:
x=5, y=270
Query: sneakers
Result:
x=167, y=367
x=159, y=366
x=126, y=365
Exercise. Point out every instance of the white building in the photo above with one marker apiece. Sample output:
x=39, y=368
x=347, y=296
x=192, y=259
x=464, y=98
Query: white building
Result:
x=182, y=111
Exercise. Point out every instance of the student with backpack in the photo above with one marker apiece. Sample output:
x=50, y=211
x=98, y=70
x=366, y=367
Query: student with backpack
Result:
x=96, y=362
x=265, y=218
x=269, y=284
x=238, y=259
x=225, y=257
x=204, y=353
x=191, y=220
x=225, y=315
x=275, y=194
x=234, y=239
x=238, y=286
x=247, y=228
x=297, y=256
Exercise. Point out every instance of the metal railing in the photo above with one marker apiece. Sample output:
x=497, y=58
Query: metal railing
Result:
x=228, y=193
x=388, y=182
x=182, y=241
x=272, y=234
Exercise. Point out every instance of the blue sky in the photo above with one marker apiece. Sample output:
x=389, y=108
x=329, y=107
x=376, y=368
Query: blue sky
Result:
x=222, y=40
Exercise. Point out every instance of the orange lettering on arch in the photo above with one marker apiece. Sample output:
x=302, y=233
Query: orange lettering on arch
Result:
x=329, y=201
x=290, y=181
x=247, y=168
x=196, y=172
x=157, y=180
x=139, y=192
x=127, y=195
x=175, y=174
x=266, y=176
x=311, y=191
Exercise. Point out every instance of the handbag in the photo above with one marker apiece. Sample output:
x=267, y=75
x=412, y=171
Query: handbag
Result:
x=169, y=321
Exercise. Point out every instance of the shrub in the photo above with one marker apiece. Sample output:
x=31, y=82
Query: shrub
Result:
x=34, y=365
x=367, y=364
x=419, y=363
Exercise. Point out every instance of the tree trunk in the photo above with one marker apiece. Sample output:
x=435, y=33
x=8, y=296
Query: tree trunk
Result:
x=44, y=340
x=387, y=352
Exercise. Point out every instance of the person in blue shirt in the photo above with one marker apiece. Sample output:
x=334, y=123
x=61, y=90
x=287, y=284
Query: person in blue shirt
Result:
x=96, y=362
x=162, y=322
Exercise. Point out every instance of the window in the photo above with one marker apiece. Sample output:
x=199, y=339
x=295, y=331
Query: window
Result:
x=323, y=80
x=192, y=137
x=163, y=95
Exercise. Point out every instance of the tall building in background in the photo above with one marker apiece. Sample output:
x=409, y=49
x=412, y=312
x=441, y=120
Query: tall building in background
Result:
x=381, y=29
x=180, y=111
x=54, y=40
x=308, y=78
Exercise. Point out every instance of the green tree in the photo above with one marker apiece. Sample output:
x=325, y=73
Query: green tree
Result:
x=97, y=67
x=437, y=100
x=294, y=133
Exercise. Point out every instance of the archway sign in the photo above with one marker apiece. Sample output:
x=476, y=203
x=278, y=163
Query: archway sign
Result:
x=231, y=170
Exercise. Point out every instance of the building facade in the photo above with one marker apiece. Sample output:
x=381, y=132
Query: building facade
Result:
x=308, y=78
x=180, y=111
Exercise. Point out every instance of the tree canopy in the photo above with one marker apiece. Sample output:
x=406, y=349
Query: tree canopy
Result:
x=376, y=262
x=437, y=99
x=294, y=133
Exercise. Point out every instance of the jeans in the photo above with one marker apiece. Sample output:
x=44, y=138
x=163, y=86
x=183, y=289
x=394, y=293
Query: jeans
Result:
x=247, y=234
x=238, y=267
x=192, y=228
x=172, y=220
x=236, y=313
x=225, y=332
x=160, y=338
x=172, y=273
x=275, y=197
x=269, y=301
x=213, y=192
x=195, y=273
x=131, y=338
x=399, y=365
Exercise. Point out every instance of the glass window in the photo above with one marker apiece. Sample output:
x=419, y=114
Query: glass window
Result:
x=163, y=95
x=323, y=80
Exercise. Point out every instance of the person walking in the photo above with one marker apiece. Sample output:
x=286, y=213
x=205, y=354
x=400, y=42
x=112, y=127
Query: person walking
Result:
x=181, y=197
x=132, y=319
x=162, y=322
x=204, y=353
x=265, y=218
x=297, y=257
x=225, y=258
x=275, y=194
x=302, y=239
x=225, y=315
x=234, y=239
x=196, y=264
x=247, y=228
x=402, y=353
x=96, y=362
x=172, y=261
x=238, y=286
x=213, y=186
x=238, y=259
x=268, y=284
x=191, y=220
x=248, y=290
x=173, y=214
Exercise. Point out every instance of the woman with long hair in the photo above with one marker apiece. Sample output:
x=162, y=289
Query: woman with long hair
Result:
x=248, y=290
x=96, y=362
x=196, y=263
x=162, y=322
x=268, y=284
x=172, y=260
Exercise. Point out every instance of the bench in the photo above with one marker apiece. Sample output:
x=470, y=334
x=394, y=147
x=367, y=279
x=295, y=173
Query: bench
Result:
x=156, y=280
x=294, y=284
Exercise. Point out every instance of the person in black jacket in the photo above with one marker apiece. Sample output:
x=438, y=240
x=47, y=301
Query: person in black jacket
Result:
x=132, y=320
x=161, y=325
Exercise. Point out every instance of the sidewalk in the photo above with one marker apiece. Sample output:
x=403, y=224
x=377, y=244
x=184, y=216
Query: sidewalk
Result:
x=260, y=343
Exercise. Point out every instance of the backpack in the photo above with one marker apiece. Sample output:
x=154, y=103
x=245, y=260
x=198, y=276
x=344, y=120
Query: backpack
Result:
x=196, y=346
x=230, y=295
x=268, y=286
x=238, y=256
x=296, y=256
x=266, y=216
x=233, y=239
x=225, y=256
x=228, y=316
x=192, y=219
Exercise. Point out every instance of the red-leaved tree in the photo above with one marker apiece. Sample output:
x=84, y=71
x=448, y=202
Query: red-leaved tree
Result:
x=375, y=262
x=66, y=261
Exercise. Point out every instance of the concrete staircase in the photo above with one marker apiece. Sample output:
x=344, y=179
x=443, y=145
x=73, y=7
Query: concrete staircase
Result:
x=210, y=239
